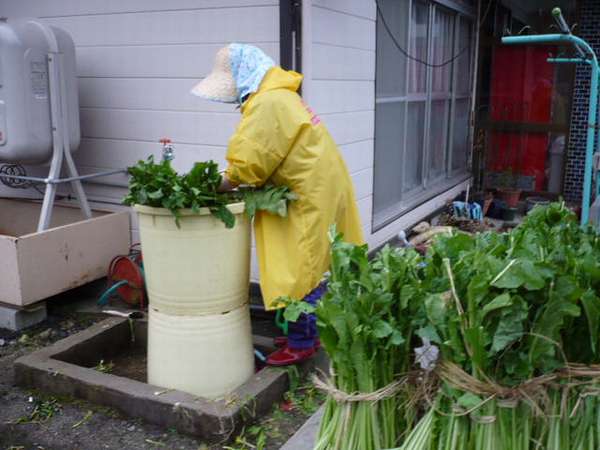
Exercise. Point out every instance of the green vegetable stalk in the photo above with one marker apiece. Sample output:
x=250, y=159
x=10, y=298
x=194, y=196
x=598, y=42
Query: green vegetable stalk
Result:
x=365, y=325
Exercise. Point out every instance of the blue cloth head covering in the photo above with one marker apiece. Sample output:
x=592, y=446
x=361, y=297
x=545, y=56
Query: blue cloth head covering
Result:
x=249, y=66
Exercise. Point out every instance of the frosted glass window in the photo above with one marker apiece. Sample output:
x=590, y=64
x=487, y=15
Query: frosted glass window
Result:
x=418, y=47
x=438, y=138
x=443, y=49
x=389, y=156
x=460, y=139
x=464, y=69
x=413, y=163
x=391, y=64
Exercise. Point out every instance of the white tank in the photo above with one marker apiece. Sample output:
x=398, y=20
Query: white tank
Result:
x=197, y=274
x=25, y=126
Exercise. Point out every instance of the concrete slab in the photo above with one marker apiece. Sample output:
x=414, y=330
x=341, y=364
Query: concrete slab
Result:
x=305, y=438
x=17, y=319
x=65, y=368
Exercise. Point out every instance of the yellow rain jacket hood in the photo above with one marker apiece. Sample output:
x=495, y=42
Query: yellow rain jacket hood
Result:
x=281, y=141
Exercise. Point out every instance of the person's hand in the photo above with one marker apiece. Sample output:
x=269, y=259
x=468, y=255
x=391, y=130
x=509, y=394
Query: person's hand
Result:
x=226, y=185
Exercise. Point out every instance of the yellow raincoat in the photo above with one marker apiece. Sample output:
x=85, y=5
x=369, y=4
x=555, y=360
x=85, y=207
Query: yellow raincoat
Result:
x=281, y=141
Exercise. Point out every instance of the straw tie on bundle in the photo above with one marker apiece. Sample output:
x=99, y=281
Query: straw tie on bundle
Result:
x=458, y=378
x=340, y=396
x=531, y=391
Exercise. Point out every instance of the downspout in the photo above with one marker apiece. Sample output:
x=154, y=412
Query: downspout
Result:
x=291, y=35
x=307, y=39
x=474, y=87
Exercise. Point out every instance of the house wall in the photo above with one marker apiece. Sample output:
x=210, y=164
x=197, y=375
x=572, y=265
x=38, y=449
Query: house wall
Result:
x=589, y=17
x=343, y=86
x=138, y=59
x=340, y=66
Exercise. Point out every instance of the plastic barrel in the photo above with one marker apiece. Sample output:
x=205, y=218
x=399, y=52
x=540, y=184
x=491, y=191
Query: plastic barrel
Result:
x=197, y=276
x=208, y=356
x=200, y=267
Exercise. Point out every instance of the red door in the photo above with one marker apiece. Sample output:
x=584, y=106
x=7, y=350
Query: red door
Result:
x=521, y=93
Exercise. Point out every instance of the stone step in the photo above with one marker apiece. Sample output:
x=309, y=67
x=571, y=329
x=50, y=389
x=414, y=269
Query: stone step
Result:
x=305, y=437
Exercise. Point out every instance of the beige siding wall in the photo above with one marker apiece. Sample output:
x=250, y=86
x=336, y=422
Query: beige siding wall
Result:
x=137, y=61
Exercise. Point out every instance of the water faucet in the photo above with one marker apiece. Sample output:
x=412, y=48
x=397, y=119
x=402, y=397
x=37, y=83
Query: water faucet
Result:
x=168, y=151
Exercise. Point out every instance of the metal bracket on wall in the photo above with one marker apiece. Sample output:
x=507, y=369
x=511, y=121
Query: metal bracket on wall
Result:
x=596, y=162
x=61, y=145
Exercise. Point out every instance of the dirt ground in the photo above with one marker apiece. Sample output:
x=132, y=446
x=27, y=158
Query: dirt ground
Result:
x=129, y=364
x=38, y=420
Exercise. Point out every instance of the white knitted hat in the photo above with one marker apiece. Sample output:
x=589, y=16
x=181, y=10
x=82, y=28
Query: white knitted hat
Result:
x=219, y=85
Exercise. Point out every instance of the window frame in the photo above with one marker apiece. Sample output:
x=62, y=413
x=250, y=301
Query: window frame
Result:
x=428, y=188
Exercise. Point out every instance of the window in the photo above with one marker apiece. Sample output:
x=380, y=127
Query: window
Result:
x=422, y=110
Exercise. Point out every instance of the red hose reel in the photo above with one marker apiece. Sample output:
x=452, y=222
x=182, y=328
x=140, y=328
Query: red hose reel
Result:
x=126, y=279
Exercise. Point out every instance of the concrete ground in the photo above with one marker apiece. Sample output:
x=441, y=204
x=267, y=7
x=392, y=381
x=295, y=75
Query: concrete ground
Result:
x=39, y=420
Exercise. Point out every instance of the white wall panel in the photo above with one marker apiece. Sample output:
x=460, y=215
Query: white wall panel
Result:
x=61, y=8
x=339, y=63
x=121, y=153
x=342, y=96
x=219, y=25
x=365, y=207
x=348, y=128
x=358, y=155
x=185, y=127
x=361, y=8
x=192, y=61
x=172, y=94
x=363, y=184
x=349, y=31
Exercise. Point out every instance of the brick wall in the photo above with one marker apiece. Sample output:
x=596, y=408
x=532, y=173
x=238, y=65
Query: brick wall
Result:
x=589, y=30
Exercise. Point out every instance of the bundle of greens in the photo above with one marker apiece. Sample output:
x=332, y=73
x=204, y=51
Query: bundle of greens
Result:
x=366, y=324
x=159, y=185
x=516, y=318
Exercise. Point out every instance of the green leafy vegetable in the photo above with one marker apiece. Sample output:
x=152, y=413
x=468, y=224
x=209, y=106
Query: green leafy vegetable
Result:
x=504, y=308
x=294, y=308
x=273, y=199
x=159, y=185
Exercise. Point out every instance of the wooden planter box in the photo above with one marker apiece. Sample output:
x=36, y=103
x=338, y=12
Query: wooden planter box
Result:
x=35, y=266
